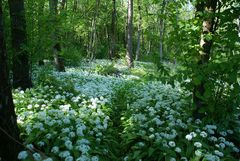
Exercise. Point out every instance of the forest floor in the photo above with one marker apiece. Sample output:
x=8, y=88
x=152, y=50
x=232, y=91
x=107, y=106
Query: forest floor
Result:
x=101, y=111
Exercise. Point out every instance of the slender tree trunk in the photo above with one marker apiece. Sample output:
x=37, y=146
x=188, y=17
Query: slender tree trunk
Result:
x=126, y=29
x=75, y=5
x=21, y=64
x=239, y=26
x=129, y=55
x=139, y=30
x=9, y=132
x=108, y=36
x=161, y=28
x=91, y=49
x=143, y=42
x=176, y=28
x=56, y=48
x=207, y=28
x=93, y=39
x=149, y=47
x=40, y=28
x=63, y=4
x=113, y=31
x=89, y=44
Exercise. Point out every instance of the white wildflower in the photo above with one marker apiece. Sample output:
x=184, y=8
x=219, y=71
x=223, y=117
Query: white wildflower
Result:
x=203, y=134
x=30, y=146
x=68, y=144
x=37, y=156
x=55, y=149
x=41, y=143
x=223, y=133
x=189, y=137
x=48, y=159
x=94, y=158
x=69, y=158
x=178, y=150
x=218, y=153
x=64, y=154
x=171, y=144
x=172, y=159
x=22, y=155
x=198, y=153
x=198, y=144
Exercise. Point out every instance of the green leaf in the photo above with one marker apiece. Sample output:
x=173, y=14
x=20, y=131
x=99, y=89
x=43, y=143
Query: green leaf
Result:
x=136, y=154
x=150, y=151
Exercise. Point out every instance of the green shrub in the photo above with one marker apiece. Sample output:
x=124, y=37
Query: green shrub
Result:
x=106, y=69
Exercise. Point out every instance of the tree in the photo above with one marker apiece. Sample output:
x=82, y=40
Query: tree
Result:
x=139, y=31
x=129, y=55
x=161, y=29
x=9, y=132
x=239, y=26
x=56, y=46
x=21, y=65
x=113, y=30
x=93, y=33
x=208, y=29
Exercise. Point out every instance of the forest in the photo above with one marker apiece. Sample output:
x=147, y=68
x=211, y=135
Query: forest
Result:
x=123, y=80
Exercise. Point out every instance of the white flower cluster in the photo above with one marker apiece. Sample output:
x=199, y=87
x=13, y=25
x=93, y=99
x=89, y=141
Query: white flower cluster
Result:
x=155, y=111
x=74, y=126
x=92, y=85
x=60, y=119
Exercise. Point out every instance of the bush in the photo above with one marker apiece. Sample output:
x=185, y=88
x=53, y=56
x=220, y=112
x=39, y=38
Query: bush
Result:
x=106, y=69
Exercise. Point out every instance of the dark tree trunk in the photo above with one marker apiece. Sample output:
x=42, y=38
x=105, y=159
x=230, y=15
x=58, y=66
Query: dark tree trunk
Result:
x=56, y=48
x=139, y=31
x=113, y=30
x=21, y=65
x=129, y=55
x=58, y=60
x=8, y=124
x=207, y=28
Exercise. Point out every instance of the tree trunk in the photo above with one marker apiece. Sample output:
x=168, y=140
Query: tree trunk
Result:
x=56, y=47
x=239, y=26
x=63, y=5
x=149, y=47
x=58, y=60
x=91, y=50
x=93, y=34
x=208, y=7
x=139, y=30
x=125, y=36
x=113, y=31
x=9, y=132
x=75, y=5
x=143, y=42
x=129, y=55
x=40, y=27
x=161, y=28
x=21, y=65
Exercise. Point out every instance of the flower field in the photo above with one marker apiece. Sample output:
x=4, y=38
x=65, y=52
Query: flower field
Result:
x=85, y=116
